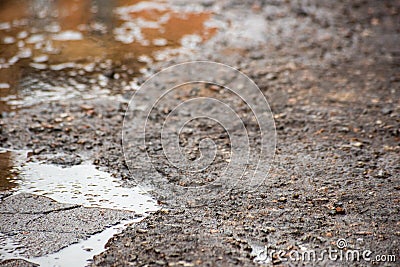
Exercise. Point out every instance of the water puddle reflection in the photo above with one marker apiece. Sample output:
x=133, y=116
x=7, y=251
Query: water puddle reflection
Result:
x=79, y=184
x=81, y=254
x=8, y=171
x=84, y=185
x=85, y=40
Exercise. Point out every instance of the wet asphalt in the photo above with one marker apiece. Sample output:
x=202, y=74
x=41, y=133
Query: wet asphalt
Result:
x=330, y=73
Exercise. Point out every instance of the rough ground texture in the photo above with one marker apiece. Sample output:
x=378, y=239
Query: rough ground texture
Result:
x=330, y=72
x=33, y=221
x=333, y=85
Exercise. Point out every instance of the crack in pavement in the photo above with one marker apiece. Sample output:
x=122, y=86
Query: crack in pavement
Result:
x=44, y=212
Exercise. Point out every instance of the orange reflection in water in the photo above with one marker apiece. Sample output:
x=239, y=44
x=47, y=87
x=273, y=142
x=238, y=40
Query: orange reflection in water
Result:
x=71, y=14
x=80, y=16
x=177, y=26
x=90, y=31
x=8, y=173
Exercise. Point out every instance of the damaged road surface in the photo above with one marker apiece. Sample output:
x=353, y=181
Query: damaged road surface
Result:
x=330, y=73
x=40, y=230
x=33, y=227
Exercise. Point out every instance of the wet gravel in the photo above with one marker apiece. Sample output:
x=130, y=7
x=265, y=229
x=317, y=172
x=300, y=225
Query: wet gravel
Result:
x=330, y=72
x=335, y=96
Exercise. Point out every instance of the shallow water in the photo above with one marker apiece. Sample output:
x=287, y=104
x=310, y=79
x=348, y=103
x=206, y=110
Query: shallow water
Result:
x=55, y=49
x=9, y=178
x=80, y=254
x=77, y=254
x=84, y=185
x=80, y=184
x=9, y=248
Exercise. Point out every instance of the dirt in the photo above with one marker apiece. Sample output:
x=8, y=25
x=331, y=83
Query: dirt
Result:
x=330, y=73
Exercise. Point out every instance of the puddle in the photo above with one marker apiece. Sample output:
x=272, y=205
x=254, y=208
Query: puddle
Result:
x=80, y=184
x=68, y=44
x=9, y=249
x=77, y=254
x=81, y=254
x=8, y=172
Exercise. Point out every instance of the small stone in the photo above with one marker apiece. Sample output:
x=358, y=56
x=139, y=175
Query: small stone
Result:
x=386, y=111
x=357, y=144
x=332, y=212
x=382, y=174
x=282, y=199
x=270, y=229
x=38, y=150
x=164, y=211
x=207, y=3
x=338, y=204
x=328, y=234
x=340, y=210
x=270, y=76
x=86, y=107
x=364, y=233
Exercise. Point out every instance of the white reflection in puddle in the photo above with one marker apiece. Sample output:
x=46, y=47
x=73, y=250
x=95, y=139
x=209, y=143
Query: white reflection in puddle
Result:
x=9, y=248
x=80, y=254
x=80, y=184
x=84, y=185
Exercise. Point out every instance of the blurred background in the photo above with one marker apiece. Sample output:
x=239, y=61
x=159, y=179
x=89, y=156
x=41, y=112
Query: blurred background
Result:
x=96, y=39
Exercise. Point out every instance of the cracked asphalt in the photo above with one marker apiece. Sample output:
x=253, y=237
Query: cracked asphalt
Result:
x=32, y=221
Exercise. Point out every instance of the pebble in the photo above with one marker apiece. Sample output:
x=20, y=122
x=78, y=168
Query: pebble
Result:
x=282, y=199
x=270, y=76
x=340, y=210
x=357, y=144
x=382, y=174
x=386, y=111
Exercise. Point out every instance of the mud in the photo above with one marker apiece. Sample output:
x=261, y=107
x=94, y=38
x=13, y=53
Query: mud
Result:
x=330, y=72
